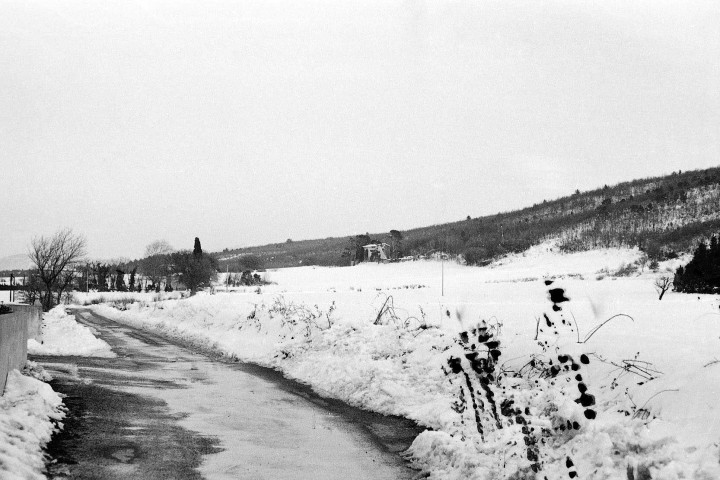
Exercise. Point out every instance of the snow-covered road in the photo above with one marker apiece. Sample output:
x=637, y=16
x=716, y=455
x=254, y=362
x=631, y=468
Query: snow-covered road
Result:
x=159, y=410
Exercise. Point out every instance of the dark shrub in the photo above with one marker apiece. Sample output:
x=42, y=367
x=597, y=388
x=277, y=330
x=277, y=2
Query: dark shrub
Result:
x=702, y=274
x=476, y=255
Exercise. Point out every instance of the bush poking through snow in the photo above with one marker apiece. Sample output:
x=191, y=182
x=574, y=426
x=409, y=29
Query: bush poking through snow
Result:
x=480, y=355
x=527, y=413
x=387, y=314
x=122, y=300
x=301, y=316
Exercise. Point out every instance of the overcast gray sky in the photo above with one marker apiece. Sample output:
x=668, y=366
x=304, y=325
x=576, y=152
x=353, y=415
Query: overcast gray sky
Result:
x=250, y=122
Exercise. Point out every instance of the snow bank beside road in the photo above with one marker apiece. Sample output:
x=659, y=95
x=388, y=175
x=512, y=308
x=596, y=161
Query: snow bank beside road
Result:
x=62, y=335
x=29, y=410
x=321, y=326
x=90, y=298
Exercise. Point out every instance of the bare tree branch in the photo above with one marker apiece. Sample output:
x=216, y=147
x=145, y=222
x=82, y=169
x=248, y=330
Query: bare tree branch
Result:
x=662, y=285
x=156, y=262
x=54, y=256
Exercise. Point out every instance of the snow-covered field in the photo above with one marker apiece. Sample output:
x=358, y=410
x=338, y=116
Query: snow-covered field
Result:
x=508, y=381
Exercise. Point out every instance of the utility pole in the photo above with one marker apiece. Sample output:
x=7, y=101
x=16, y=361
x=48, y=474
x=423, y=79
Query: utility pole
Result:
x=442, y=267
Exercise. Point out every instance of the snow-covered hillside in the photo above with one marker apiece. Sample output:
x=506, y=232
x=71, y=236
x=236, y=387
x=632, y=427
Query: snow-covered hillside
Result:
x=508, y=380
x=625, y=227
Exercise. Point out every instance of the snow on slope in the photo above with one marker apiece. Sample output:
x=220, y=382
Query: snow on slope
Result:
x=29, y=410
x=318, y=325
x=62, y=335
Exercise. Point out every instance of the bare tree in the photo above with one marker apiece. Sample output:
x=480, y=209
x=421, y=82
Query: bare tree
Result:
x=662, y=285
x=31, y=288
x=53, y=257
x=65, y=284
x=158, y=247
x=156, y=262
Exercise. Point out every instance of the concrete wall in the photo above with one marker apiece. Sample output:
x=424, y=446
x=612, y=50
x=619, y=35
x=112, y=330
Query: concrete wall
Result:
x=13, y=344
x=34, y=318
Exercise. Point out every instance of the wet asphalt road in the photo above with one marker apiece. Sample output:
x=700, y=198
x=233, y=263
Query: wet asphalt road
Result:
x=163, y=411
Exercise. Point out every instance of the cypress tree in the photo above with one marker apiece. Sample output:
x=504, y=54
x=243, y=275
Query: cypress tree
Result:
x=131, y=287
x=120, y=280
